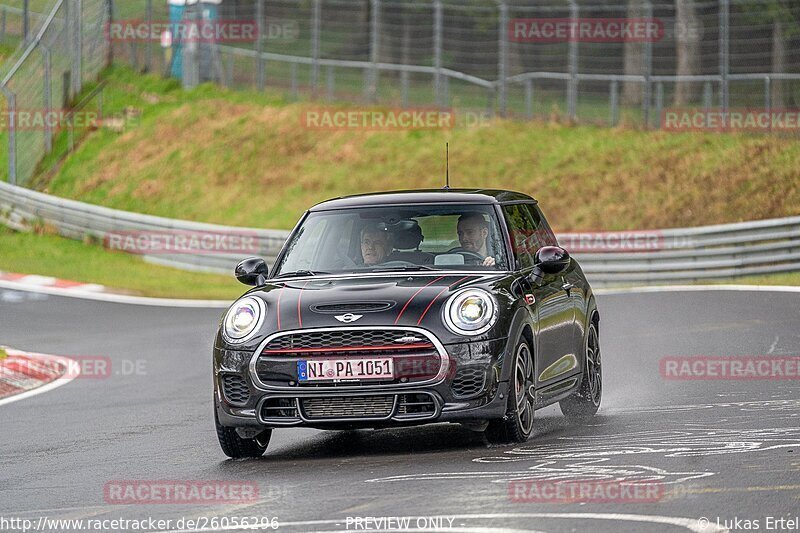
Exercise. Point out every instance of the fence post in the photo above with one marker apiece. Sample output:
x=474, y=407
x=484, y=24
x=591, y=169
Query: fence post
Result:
x=260, y=78
x=11, y=105
x=659, y=103
x=437, y=51
x=331, y=82
x=647, y=92
x=148, y=58
x=572, y=85
x=724, y=43
x=502, y=65
x=25, y=20
x=315, y=30
x=48, y=100
x=77, y=46
x=372, y=83
x=110, y=43
x=767, y=94
x=529, y=98
x=614, y=105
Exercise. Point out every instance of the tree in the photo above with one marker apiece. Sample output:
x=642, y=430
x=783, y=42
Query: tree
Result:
x=687, y=48
x=785, y=25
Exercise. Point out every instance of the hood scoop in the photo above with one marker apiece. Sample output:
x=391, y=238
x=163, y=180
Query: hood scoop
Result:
x=352, y=307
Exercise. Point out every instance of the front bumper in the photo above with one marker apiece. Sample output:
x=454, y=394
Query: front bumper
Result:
x=376, y=406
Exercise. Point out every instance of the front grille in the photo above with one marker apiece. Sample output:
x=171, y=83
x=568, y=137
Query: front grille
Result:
x=348, y=407
x=353, y=307
x=468, y=382
x=235, y=389
x=415, y=357
x=344, y=339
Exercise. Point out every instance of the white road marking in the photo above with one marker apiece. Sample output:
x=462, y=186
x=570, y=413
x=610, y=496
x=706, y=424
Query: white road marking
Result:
x=66, y=378
x=698, y=288
x=774, y=344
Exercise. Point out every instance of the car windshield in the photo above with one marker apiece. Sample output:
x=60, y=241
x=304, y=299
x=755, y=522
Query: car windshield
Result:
x=386, y=239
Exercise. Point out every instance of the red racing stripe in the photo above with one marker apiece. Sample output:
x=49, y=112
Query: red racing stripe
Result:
x=437, y=297
x=414, y=296
x=299, y=298
x=280, y=293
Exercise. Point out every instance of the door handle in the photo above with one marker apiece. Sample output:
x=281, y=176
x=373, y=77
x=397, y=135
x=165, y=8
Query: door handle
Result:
x=567, y=286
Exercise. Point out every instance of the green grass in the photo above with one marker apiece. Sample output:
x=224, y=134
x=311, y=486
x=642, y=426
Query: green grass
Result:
x=3, y=353
x=76, y=261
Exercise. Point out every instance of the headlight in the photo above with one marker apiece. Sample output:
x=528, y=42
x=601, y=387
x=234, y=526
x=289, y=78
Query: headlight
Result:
x=244, y=319
x=470, y=312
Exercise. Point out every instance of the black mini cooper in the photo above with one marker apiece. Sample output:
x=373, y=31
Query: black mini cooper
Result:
x=405, y=308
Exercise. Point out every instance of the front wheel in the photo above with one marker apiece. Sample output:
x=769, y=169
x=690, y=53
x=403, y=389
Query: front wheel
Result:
x=236, y=447
x=584, y=403
x=517, y=425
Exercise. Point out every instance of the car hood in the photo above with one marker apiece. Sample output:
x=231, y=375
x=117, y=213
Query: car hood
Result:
x=403, y=300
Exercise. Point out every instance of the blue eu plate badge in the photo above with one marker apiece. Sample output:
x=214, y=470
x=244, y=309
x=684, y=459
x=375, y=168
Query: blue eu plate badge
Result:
x=302, y=370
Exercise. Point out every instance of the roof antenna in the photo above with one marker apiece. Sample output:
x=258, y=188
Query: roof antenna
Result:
x=447, y=175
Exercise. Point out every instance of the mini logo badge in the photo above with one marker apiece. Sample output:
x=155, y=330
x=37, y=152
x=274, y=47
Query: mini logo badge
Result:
x=408, y=340
x=530, y=299
x=348, y=318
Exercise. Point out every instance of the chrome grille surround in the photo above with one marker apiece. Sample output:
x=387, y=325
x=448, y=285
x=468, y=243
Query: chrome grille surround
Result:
x=444, y=367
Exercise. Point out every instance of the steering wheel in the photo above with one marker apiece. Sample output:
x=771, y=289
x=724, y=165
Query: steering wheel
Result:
x=467, y=254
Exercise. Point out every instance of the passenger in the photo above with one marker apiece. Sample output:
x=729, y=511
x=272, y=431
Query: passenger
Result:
x=473, y=231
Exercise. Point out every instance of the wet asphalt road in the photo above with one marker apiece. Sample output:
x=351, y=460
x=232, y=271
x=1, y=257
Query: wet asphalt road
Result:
x=722, y=450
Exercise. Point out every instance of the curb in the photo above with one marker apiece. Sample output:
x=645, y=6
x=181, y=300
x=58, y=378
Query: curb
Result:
x=47, y=281
x=24, y=374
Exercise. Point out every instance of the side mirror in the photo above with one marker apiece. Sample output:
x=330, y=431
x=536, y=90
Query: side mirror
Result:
x=552, y=259
x=252, y=271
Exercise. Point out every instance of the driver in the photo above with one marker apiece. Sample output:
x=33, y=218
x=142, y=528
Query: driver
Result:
x=473, y=230
x=375, y=245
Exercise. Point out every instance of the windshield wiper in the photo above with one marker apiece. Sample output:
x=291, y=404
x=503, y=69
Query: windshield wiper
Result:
x=301, y=273
x=409, y=268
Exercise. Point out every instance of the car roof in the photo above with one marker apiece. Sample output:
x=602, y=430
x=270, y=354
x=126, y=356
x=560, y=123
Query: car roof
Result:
x=424, y=196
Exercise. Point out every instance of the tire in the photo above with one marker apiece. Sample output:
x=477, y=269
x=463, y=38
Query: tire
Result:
x=236, y=447
x=584, y=403
x=517, y=425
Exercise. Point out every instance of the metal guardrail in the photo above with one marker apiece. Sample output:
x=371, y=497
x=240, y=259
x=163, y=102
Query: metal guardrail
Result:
x=671, y=255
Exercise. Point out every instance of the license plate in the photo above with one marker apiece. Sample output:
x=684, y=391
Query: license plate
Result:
x=345, y=370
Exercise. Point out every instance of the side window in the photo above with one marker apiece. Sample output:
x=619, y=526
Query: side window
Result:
x=545, y=234
x=522, y=230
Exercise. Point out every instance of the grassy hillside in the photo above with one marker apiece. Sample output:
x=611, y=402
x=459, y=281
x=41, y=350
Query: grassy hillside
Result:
x=245, y=159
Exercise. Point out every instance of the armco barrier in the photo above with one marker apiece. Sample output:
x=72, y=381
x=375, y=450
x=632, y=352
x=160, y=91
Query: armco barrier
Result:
x=682, y=255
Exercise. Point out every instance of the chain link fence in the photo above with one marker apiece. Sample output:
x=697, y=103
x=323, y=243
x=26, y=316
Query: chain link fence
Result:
x=498, y=56
x=600, y=62
x=68, y=50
